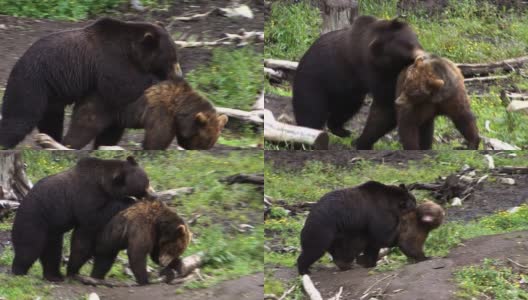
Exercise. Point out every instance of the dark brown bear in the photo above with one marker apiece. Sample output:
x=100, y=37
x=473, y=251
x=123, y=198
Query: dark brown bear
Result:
x=74, y=198
x=369, y=213
x=168, y=109
x=114, y=60
x=147, y=227
x=431, y=87
x=342, y=66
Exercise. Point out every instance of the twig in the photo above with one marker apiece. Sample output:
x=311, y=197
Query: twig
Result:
x=287, y=292
x=196, y=16
x=517, y=264
x=338, y=295
x=366, y=293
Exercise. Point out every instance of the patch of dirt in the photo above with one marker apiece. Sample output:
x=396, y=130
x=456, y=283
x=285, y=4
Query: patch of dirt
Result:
x=20, y=33
x=432, y=279
x=248, y=287
x=491, y=197
x=296, y=160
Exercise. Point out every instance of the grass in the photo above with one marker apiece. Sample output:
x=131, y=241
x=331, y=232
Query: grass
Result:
x=229, y=253
x=317, y=178
x=468, y=31
x=57, y=9
x=491, y=280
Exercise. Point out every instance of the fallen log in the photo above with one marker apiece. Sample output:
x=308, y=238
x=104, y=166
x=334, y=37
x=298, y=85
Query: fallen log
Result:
x=485, y=79
x=495, y=144
x=257, y=179
x=168, y=195
x=511, y=170
x=507, y=65
x=47, y=142
x=276, y=131
x=310, y=289
x=254, y=117
x=240, y=39
x=468, y=70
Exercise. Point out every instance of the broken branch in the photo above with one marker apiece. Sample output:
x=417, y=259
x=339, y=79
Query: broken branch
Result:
x=276, y=131
x=310, y=289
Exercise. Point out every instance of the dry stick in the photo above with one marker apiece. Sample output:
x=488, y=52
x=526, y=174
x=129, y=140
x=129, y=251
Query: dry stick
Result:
x=168, y=195
x=196, y=16
x=486, y=79
x=338, y=295
x=287, y=292
x=241, y=39
x=496, y=144
x=512, y=170
x=310, y=289
x=281, y=132
x=517, y=264
x=366, y=293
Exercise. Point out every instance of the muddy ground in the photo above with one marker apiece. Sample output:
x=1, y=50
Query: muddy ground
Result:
x=17, y=34
x=422, y=281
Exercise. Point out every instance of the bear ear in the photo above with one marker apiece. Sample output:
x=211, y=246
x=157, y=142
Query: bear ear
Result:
x=376, y=47
x=222, y=120
x=150, y=40
x=436, y=84
x=397, y=24
x=403, y=186
x=131, y=160
x=419, y=60
x=201, y=118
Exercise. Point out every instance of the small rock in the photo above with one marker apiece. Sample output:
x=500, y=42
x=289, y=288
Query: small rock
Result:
x=93, y=296
x=472, y=174
x=456, y=202
x=512, y=155
x=513, y=209
x=2, y=26
x=240, y=11
x=467, y=179
x=465, y=167
x=508, y=181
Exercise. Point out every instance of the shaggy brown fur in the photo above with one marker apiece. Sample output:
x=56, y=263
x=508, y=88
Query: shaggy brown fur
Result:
x=415, y=227
x=430, y=87
x=166, y=110
x=143, y=228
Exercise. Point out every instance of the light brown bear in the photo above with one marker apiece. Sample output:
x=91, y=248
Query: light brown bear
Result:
x=430, y=87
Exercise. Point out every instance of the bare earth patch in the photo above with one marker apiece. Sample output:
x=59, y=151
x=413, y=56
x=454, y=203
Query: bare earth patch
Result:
x=426, y=280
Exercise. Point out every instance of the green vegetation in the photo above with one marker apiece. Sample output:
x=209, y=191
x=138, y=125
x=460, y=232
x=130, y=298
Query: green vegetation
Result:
x=232, y=79
x=57, y=9
x=491, y=280
x=468, y=31
x=316, y=178
x=229, y=253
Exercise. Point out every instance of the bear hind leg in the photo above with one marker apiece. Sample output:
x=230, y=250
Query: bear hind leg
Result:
x=466, y=125
x=52, y=123
x=51, y=258
x=103, y=264
x=342, y=111
x=310, y=108
x=380, y=121
x=82, y=249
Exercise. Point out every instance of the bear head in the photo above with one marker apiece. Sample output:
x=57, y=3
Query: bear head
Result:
x=129, y=180
x=418, y=82
x=174, y=237
x=207, y=127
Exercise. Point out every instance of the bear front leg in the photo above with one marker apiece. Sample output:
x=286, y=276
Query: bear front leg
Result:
x=380, y=121
x=426, y=135
x=369, y=259
x=52, y=122
x=82, y=249
x=466, y=124
x=137, y=258
x=409, y=133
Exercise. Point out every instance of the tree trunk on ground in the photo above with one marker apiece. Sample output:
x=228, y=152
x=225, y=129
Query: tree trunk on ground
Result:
x=337, y=14
x=14, y=184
